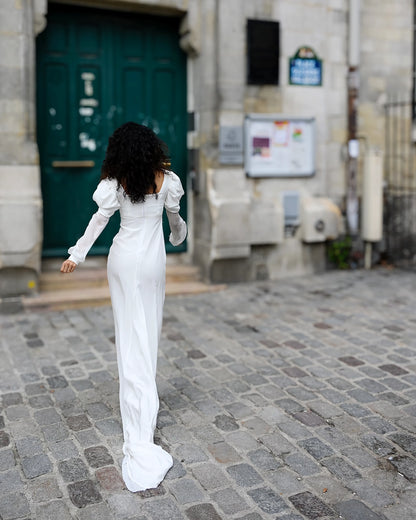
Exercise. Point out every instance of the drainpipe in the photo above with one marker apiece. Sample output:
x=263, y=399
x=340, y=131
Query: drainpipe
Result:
x=353, y=86
x=413, y=96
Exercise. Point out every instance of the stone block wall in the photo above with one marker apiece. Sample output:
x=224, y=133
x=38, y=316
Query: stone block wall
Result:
x=20, y=196
x=236, y=222
x=323, y=26
x=386, y=62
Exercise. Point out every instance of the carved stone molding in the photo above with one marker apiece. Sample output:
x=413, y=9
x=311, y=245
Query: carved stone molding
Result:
x=189, y=37
x=39, y=18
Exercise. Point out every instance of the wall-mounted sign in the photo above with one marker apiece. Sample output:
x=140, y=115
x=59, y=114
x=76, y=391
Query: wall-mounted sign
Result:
x=305, y=68
x=279, y=146
x=231, y=145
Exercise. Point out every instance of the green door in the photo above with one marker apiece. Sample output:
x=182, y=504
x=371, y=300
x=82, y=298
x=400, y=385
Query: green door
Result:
x=95, y=71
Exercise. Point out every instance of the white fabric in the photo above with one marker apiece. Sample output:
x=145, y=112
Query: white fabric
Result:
x=79, y=251
x=174, y=194
x=136, y=275
x=107, y=203
x=177, y=227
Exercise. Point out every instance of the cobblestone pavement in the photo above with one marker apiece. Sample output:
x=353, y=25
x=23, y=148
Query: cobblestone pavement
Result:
x=281, y=400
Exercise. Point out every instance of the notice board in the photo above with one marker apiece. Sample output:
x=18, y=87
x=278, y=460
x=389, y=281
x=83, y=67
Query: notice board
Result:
x=279, y=146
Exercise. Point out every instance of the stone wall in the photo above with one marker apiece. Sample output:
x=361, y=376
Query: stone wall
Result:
x=20, y=197
x=236, y=222
x=386, y=62
x=246, y=205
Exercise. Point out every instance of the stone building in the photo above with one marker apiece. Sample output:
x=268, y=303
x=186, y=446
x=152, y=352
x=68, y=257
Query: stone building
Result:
x=199, y=72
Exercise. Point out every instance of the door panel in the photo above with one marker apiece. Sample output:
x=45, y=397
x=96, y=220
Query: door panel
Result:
x=97, y=70
x=56, y=93
x=134, y=94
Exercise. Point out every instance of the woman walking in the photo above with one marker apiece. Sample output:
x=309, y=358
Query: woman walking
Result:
x=135, y=182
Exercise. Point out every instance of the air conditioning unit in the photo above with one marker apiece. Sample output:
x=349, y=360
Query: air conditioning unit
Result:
x=321, y=219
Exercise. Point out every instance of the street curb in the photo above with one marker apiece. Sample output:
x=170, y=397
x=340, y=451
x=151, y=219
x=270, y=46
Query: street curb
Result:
x=11, y=305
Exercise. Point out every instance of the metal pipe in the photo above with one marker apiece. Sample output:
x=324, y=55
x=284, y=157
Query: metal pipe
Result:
x=413, y=95
x=387, y=176
x=412, y=151
x=354, y=33
x=367, y=255
x=353, y=88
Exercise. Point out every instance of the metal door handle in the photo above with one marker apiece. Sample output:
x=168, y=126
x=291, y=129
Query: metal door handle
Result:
x=73, y=164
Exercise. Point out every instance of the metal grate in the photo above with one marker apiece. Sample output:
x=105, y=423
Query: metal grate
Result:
x=400, y=184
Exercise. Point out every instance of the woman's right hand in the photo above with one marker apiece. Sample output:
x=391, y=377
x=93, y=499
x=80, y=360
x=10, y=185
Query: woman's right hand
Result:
x=68, y=266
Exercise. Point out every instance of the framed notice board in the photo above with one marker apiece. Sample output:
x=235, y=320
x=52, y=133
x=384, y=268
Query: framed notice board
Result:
x=279, y=146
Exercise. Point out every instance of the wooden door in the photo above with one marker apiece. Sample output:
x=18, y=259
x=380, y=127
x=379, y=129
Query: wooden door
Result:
x=95, y=71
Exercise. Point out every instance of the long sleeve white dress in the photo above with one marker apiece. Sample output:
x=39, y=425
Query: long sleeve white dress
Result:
x=136, y=275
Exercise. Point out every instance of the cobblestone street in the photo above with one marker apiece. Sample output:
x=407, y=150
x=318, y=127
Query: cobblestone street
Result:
x=283, y=400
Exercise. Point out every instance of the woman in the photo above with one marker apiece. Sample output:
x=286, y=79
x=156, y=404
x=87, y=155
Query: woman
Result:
x=135, y=182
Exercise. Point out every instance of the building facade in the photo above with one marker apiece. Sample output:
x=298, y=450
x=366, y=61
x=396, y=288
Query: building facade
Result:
x=260, y=140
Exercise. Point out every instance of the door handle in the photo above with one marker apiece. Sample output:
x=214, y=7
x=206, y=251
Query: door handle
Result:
x=73, y=164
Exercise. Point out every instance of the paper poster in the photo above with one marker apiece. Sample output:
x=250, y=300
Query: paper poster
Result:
x=279, y=146
x=281, y=133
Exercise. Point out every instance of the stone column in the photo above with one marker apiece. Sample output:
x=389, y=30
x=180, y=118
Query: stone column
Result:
x=20, y=194
x=231, y=220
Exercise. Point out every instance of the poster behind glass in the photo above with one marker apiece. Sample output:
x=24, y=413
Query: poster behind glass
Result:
x=279, y=146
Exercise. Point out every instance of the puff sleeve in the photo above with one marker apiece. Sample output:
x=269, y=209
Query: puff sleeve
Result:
x=172, y=205
x=106, y=198
x=175, y=192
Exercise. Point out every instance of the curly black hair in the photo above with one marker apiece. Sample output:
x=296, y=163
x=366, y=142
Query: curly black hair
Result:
x=134, y=155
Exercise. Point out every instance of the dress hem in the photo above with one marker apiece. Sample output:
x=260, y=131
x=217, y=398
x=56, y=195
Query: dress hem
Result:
x=145, y=466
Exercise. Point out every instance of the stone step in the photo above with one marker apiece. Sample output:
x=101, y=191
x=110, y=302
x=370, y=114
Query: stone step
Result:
x=83, y=278
x=98, y=296
x=88, y=287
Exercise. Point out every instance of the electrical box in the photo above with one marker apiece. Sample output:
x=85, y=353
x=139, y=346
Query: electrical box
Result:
x=291, y=208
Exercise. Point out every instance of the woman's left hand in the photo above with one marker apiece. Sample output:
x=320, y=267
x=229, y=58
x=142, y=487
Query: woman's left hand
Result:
x=68, y=266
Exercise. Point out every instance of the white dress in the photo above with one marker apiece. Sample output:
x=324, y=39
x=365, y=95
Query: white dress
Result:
x=136, y=276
